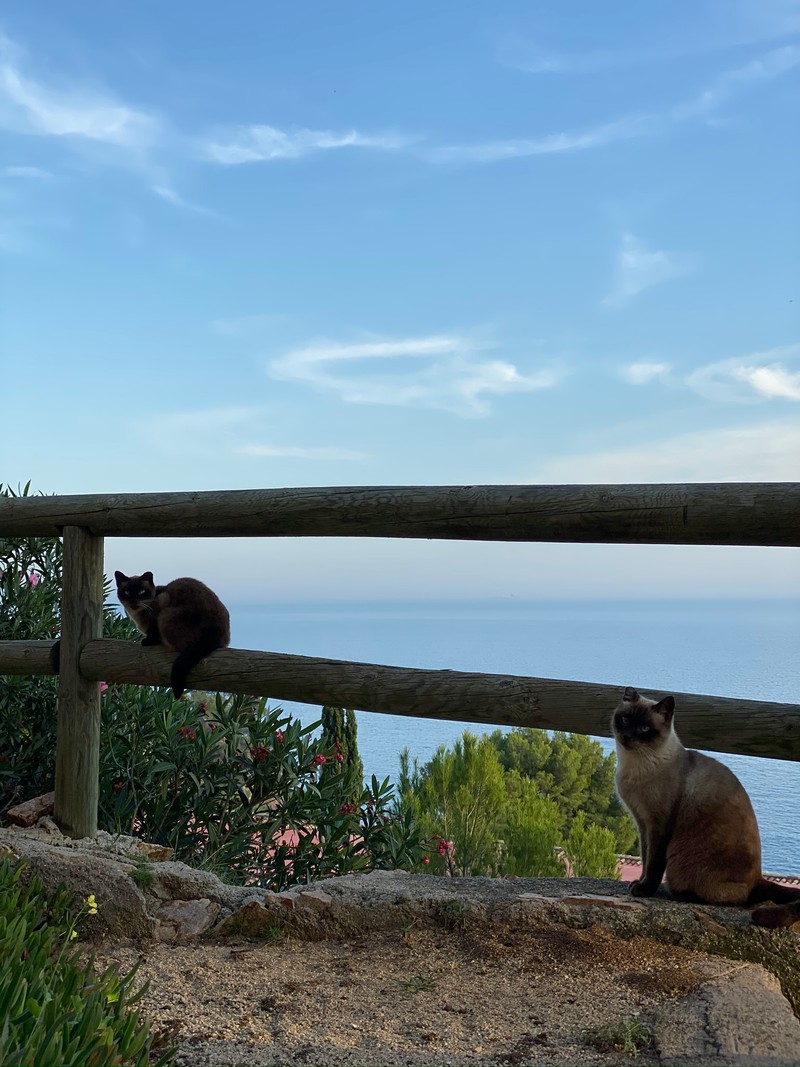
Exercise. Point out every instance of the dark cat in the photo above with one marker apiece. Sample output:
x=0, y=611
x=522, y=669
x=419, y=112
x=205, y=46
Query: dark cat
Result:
x=185, y=616
x=694, y=817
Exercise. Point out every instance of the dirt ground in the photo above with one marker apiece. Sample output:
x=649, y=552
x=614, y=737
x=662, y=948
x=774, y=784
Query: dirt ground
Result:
x=417, y=996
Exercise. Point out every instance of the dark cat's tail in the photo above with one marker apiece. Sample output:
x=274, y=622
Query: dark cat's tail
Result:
x=782, y=904
x=210, y=640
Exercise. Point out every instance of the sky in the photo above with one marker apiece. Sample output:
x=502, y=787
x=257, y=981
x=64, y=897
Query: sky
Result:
x=261, y=245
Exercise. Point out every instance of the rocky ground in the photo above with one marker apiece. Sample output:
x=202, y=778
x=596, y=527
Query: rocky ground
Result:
x=400, y=969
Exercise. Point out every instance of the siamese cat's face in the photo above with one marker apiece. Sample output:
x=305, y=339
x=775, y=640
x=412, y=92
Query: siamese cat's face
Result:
x=134, y=590
x=641, y=723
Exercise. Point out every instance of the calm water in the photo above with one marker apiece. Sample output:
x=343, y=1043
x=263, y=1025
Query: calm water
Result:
x=729, y=648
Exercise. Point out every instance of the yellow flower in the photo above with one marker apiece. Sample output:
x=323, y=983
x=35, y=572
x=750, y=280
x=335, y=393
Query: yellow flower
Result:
x=73, y=934
x=91, y=904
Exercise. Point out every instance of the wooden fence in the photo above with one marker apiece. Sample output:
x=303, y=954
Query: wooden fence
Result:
x=765, y=514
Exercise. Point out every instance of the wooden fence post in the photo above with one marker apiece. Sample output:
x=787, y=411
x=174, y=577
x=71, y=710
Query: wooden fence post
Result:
x=78, y=739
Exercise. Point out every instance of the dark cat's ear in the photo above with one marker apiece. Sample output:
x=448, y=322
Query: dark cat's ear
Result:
x=148, y=577
x=630, y=695
x=120, y=577
x=665, y=707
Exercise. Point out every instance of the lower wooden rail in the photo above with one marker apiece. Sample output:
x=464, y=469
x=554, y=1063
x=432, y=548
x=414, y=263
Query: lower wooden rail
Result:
x=718, y=724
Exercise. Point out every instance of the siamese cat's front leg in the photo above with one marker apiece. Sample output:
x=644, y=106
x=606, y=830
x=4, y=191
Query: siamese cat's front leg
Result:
x=654, y=862
x=152, y=637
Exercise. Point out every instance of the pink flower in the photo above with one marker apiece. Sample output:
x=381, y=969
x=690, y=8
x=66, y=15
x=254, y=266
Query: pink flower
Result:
x=425, y=861
x=279, y=735
x=34, y=579
x=318, y=761
x=339, y=757
x=103, y=687
x=347, y=809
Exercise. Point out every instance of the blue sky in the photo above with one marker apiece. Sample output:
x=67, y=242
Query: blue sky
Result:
x=256, y=245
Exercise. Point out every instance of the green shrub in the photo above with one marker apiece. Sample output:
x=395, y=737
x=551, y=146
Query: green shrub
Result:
x=55, y=1008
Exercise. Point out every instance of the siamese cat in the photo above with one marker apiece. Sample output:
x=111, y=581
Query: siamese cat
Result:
x=695, y=819
x=185, y=616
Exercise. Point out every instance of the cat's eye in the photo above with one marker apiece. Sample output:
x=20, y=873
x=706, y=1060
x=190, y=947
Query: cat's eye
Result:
x=645, y=731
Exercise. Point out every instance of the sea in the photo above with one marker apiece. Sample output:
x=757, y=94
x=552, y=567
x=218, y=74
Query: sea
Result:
x=732, y=648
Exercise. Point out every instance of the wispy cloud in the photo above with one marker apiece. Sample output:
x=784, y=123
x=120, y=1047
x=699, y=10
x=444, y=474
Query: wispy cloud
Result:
x=166, y=192
x=643, y=372
x=624, y=129
x=290, y=452
x=264, y=144
x=732, y=83
x=765, y=452
x=638, y=269
x=439, y=371
x=31, y=106
x=248, y=327
x=758, y=376
x=35, y=173
x=704, y=105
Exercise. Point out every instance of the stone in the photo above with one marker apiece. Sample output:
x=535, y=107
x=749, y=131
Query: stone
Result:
x=252, y=920
x=592, y=900
x=741, y=1018
x=154, y=853
x=316, y=899
x=184, y=920
x=30, y=811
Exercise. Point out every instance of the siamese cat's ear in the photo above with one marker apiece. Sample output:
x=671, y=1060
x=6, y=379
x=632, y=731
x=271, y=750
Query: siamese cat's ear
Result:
x=120, y=577
x=148, y=577
x=630, y=695
x=665, y=707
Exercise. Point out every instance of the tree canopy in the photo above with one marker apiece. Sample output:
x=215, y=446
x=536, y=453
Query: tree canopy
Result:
x=521, y=802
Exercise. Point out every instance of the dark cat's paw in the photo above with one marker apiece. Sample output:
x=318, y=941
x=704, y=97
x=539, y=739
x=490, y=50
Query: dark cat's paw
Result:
x=641, y=888
x=150, y=641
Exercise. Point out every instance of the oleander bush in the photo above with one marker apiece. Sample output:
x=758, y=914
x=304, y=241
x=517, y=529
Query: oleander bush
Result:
x=229, y=783
x=55, y=1008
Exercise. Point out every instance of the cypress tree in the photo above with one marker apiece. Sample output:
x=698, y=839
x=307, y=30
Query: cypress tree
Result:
x=339, y=731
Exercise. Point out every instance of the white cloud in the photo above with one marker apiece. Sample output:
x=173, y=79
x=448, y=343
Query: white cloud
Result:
x=290, y=452
x=643, y=372
x=638, y=269
x=766, y=452
x=32, y=107
x=440, y=371
x=760, y=375
x=773, y=381
x=260, y=144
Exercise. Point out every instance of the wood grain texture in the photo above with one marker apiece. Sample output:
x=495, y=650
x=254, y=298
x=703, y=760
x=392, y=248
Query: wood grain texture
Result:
x=78, y=733
x=26, y=657
x=749, y=727
x=724, y=513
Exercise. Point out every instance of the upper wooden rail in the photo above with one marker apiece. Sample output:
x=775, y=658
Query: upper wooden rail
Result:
x=722, y=513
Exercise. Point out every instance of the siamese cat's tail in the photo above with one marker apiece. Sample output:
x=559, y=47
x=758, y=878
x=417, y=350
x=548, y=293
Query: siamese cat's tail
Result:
x=210, y=640
x=782, y=904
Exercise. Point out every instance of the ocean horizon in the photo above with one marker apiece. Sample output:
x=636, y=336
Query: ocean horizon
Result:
x=732, y=648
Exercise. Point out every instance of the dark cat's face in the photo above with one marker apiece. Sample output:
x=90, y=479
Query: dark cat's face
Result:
x=639, y=723
x=136, y=589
